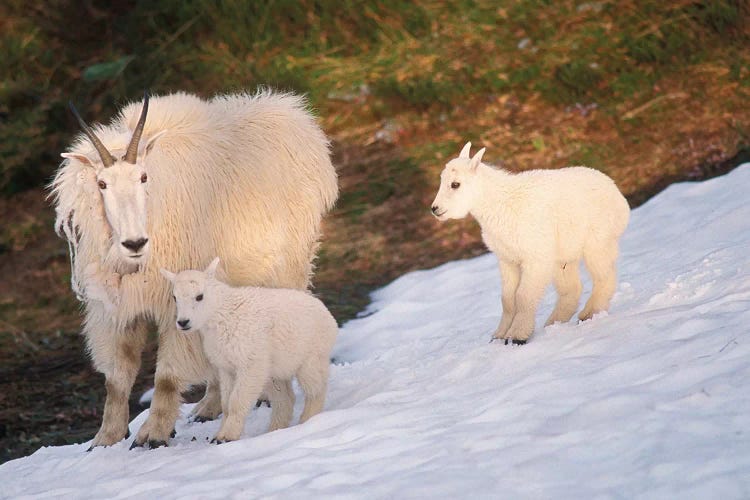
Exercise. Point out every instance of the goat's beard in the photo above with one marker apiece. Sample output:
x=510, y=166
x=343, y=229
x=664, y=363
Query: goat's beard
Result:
x=120, y=264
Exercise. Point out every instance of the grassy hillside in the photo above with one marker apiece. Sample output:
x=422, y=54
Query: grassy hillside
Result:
x=647, y=91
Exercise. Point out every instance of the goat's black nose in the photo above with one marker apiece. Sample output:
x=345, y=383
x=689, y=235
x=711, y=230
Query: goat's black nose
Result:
x=183, y=322
x=135, y=245
x=434, y=209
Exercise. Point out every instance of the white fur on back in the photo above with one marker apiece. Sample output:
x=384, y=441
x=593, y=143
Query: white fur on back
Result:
x=547, y=215
x=286, y=326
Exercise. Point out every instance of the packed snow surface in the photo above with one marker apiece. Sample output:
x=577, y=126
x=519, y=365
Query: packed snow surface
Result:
x=651, y=400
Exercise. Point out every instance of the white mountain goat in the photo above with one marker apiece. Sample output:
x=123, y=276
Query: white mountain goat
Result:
x=246, y=177
x=255, y=338
x=539, y=223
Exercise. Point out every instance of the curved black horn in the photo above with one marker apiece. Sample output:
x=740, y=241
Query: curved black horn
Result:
x=107, y=159
x=132, y=153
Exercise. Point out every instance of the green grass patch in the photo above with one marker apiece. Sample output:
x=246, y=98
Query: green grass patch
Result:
x=394, y=179
x=419, y=56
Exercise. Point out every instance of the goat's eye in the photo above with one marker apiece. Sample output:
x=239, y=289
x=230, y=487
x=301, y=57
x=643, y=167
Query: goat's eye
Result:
x=102, y=185
x=199, y=297
x=144, y=178
x=455, y=185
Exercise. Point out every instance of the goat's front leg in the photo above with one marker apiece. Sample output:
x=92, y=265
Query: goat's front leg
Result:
x=530, y=289
x=118, y=356
x=179, y=363
x=510, y=273
x=247, y=386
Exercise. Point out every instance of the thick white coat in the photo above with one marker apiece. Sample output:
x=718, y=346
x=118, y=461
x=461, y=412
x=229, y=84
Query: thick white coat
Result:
x=540, y=224
x=254, y=338
x=246, y=177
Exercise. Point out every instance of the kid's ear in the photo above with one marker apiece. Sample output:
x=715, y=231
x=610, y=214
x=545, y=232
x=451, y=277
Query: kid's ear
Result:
x=477, y=159
x=167, y=274
x=465, y=151
x=79, y=157
x=211, y=269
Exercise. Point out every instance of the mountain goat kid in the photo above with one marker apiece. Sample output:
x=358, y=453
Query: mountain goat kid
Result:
x=257, y=338
x=539, y=223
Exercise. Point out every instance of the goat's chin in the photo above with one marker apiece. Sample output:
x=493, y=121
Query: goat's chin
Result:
x=128, y=265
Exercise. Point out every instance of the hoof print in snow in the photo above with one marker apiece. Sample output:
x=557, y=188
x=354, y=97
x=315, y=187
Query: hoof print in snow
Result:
x=194, y=439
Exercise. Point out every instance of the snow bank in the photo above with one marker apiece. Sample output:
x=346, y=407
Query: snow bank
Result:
x=650, y=400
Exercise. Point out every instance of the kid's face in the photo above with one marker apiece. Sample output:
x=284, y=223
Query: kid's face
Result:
x=189, y=292
x=454, y=198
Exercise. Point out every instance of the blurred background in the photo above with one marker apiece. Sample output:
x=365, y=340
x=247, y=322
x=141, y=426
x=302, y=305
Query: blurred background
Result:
x=649, y=92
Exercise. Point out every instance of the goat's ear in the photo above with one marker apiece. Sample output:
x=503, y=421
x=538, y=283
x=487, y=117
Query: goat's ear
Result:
x=167, y=274
x=465, y=151
x=79, y=157
x=477, y=159
x=211, y=269
x=146, y=148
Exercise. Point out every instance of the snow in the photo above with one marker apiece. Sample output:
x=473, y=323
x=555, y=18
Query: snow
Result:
x=650, y=400
x=146, y=397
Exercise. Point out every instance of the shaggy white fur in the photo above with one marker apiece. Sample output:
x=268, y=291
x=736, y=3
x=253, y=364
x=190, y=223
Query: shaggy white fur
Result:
x=540, y=224
x=246, y=177
x=255, y=338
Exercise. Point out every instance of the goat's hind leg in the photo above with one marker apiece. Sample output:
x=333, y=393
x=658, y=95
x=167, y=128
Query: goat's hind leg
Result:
x=209, y=407
x=313, y=378
x=281, y=396
x=568, y=285
x=601, y=264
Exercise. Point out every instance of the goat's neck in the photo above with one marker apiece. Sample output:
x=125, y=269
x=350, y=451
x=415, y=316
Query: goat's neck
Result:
x=495, y=191
x=221, y=296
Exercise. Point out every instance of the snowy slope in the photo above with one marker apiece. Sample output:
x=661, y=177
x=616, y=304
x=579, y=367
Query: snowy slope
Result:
x=649, y=401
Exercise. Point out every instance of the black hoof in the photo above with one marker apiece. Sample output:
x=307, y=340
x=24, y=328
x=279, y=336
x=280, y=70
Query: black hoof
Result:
x=262, y=402
x=156, y=443
x=217, y=441
x=173, y=433
x=201, y=419
x=90, y=448
x=515, y=342
x=136, y=444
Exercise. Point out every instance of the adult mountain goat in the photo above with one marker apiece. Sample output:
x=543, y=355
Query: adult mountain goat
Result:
x=540, y=224
x=245, y=177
